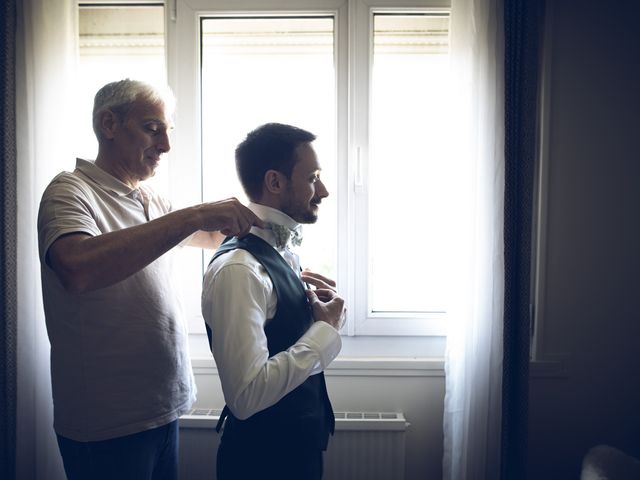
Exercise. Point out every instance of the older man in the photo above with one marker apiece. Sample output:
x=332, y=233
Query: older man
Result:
x=121, y=373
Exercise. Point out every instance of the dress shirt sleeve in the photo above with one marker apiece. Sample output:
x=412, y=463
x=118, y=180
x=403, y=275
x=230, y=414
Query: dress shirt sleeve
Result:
x=235, y=305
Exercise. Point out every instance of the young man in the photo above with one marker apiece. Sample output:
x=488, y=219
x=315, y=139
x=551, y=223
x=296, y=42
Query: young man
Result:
x=271, y=337
x=120, y=368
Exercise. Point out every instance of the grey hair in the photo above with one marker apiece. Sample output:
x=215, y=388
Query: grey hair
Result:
x=120, y=96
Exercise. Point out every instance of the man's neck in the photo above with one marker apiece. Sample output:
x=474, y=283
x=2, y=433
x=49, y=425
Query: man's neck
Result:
x=273, y=216
x=105, y=163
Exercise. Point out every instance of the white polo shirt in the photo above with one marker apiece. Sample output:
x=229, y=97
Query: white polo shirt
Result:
x=119, y=355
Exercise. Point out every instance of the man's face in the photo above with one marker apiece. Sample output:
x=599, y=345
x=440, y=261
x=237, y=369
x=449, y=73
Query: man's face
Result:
x=304, y=190
x=141, y=140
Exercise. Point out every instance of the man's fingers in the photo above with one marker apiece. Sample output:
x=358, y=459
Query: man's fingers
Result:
x=243, y=228
x=230, y=217
x=319, y=284
x=327, y=298
x=316, y=276
x=317, y=280
x=257, y=221
x=247, y=219
x=324, y=294
x=327, y=306
x=321, y=295
x=312, y=297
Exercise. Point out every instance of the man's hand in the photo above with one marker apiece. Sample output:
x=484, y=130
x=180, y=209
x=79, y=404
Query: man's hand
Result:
x=326, y=304
x=229, y=216
x=317, y=280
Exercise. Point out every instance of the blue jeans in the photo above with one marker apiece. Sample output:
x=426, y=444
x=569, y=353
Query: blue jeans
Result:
x=148, y=455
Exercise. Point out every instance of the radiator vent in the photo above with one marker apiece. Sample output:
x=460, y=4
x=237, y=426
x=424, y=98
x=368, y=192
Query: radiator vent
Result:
x=205, y=412
x=368, y=415
x=204, y=417
x=366, y=445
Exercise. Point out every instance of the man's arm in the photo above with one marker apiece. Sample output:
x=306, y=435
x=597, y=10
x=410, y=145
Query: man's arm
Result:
x=84, y=262
x=207, y=240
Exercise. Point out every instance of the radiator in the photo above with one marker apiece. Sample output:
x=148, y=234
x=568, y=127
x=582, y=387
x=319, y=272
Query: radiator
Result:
x=366, y=446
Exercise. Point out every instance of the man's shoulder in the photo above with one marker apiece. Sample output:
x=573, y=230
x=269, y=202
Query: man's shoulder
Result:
x=65, y=178
x=233, y=265
x=64, y=181
x=235, y=257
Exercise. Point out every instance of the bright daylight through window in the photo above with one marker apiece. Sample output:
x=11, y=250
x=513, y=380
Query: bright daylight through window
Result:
x=408, y=183
x=373, y=88
x=259, y=70
x=117, y=42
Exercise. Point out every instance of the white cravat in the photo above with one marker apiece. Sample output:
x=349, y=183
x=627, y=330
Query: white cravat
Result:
x=283, y=233
x=286, y=235
x=287, y=238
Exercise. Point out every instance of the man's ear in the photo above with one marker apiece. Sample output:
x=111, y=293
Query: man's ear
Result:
x=274, y=182
x=108, y=124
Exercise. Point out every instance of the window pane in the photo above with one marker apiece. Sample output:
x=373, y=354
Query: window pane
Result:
x=117, y=42
x=260, y=70
x=409, y=188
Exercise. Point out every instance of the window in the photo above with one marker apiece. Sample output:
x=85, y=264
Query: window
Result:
x=116, y=42
x=402, y=185
x=270, y=69
x=369, y=78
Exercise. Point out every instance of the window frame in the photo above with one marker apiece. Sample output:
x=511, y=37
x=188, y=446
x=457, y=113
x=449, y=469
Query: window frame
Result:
x=367, y=322
x=353, y=61
x=184, y=53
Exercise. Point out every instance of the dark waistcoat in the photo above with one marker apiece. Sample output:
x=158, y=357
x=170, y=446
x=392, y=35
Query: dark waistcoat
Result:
x=304, y=415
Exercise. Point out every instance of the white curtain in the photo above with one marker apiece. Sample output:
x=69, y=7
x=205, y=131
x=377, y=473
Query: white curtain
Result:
x=473, y=363
x=46, y=56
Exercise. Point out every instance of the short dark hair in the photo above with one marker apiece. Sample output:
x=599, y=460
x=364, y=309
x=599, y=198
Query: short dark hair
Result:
x=269, y=147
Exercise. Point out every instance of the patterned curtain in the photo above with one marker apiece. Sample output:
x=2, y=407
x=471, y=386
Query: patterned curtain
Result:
x=522, y=27
x=8, y=227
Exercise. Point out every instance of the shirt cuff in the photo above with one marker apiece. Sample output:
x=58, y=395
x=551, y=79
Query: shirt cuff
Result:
x=325, y=339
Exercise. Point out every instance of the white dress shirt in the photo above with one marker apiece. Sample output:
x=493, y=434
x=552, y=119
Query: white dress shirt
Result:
x=238, y=300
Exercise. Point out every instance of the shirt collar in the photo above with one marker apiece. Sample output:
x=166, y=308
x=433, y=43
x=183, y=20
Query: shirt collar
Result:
x=102, y=178
x=271, y=215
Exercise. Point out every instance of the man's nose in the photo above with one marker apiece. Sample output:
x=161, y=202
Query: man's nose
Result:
x=164, y=142
x=321, y=190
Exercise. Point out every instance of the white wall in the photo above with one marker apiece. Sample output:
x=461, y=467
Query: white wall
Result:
x=592, y=264
x=414, y=387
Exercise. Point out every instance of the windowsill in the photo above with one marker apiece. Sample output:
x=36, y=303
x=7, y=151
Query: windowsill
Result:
x=399, y=366
x=416, y=356
x=368, y=347
x=358, y=366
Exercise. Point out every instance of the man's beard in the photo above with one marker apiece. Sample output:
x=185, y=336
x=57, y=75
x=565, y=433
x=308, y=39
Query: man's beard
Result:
x=308, y=217
x=304, y=215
